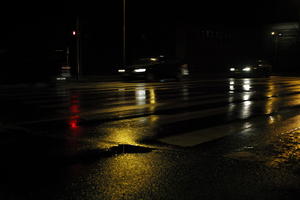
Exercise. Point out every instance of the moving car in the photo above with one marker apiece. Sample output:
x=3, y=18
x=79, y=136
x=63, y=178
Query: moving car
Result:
x=155, y=68
x=251, y=68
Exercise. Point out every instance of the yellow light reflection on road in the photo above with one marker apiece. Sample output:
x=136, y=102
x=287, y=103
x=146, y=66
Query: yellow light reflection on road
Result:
x=145, y=96
x=152, y=107
x=289, y=149
x=127, y=176
x=123, y=134
x=130, y=131
x=283, y=141
x=271, y=90
x=145, y=100
x=141, y=94
x=272, y=101
x=271, y=120
x=131, y=172
x=270, y=105
x=295, y=101
x=274, y=118
x=152, y=96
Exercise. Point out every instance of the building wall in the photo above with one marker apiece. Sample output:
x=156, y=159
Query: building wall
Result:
x=282, y=46
x=212, y=49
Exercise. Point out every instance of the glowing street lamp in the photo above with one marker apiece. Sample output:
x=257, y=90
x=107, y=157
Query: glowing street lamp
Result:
x=78, y=47
x=276, y=37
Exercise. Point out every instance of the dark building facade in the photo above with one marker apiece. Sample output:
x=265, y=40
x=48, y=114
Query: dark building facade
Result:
x=212, y=49
x=282, y=46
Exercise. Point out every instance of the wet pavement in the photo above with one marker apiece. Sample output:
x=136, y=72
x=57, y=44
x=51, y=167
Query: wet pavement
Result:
x=210, y=138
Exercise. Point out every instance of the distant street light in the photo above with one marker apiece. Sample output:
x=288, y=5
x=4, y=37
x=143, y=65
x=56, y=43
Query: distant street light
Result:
x=78, y=48
x=276, y=37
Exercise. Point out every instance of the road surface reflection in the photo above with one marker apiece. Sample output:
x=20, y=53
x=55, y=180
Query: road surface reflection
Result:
x=124, y=177
x=140, y=94
x=288, y=150
x=244, y=102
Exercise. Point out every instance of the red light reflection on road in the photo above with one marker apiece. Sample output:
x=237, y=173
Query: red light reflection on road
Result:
x=74, y=122
x=75, y=110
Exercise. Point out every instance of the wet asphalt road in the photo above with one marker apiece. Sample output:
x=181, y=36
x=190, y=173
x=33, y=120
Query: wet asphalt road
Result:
x=200, y=139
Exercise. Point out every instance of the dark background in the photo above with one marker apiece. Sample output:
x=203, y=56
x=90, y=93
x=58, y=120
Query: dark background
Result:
x=32, y=31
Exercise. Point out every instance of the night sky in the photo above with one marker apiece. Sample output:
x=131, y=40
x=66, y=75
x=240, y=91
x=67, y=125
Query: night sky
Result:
x=57, y=17
x=47, y=25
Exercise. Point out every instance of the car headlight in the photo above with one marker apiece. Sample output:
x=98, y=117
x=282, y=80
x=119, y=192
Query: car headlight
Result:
x=232, y=69
x=247, y=69
x=121, y=70
x=140, y=70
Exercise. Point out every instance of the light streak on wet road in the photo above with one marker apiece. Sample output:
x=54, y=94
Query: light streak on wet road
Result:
x=254, y=119
x=150, y=106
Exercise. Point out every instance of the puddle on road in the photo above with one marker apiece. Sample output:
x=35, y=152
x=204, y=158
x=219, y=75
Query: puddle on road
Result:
x=92, y=155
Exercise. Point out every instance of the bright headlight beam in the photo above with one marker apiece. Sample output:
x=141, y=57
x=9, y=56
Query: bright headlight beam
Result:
x=232, y=69
x=139, y=70
x=121, y=70
x=153, y=59
x=247, y=69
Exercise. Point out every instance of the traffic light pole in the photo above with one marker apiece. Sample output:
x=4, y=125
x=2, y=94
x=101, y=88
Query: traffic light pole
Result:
x=67, y=56
x=276, y=51
x=124, y=32
x=78, y=60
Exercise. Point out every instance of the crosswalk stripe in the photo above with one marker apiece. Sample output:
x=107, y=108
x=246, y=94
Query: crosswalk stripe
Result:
x=171, y=106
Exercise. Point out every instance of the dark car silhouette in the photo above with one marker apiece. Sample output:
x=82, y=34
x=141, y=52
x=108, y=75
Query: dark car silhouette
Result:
x=155, y=68
x=251, y=68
